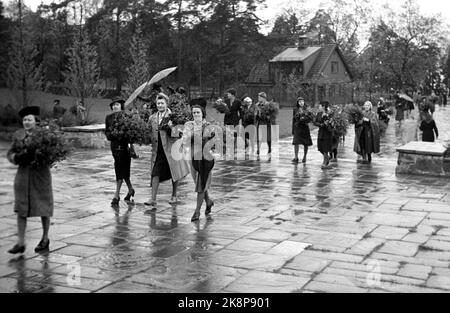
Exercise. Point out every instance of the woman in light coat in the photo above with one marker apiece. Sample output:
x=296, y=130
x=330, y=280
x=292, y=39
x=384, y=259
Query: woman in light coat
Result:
x=164, y=165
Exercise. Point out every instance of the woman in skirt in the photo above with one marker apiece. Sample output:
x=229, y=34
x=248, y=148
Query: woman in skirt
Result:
x=33, y=192
x=197, y=133
x=325, y=135
x=300, y=130
x=121, y=153
x=164, y=166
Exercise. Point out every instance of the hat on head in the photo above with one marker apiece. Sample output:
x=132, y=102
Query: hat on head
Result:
x=263, y=95
x=232, y=91
x=157, y=87
x=181, y=90
x=117, y=99
x=248, y=99
x=32, y=110
x=162, y=95
x=170, y=88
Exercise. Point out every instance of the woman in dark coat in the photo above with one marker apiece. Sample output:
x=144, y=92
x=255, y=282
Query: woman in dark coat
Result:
x=400, y=108
x=428, y=128
x=121, y=153
x=325, y=135
x=33, y=191
x=300, y=131
x=367, y=134
x=198, y=132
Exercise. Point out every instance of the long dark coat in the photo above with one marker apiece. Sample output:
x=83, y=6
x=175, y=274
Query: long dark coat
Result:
x=234, y=114
x=300, y=131
x=119, y=150
x=178, y=168
x=428, y=127
x=324, y=136
x=33, y=192
x=371, y=132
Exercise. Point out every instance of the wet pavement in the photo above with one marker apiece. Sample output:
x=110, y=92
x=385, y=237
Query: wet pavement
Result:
x=275, y=227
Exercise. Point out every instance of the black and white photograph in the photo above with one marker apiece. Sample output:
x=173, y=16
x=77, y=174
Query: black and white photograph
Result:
x=224, y=152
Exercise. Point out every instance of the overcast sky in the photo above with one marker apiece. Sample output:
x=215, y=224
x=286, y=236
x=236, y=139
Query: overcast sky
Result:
x=276, y=7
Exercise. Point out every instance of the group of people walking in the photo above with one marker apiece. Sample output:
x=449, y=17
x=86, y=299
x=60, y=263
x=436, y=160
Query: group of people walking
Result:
x=33, y=186
x=367, y=134
x=164, y=166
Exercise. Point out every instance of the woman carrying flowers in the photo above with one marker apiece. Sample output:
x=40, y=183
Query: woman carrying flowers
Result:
x=265, y=117
x=248, y=121
x=120, y=150
x=163, y=165
x=325, y=135
x=196, y=135
x=33, y=191
x=300, y=129
x=367, y=134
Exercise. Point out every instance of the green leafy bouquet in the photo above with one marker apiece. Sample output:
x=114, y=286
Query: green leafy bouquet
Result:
x=336, y=121
x=267, y=112
x=130, y=127
x=221, y=106
x=248, y=115
x=45, y=146
x=354, y=113
x=304, y=116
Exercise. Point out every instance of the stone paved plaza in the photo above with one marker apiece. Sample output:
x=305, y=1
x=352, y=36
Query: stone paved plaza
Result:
x=275, y=227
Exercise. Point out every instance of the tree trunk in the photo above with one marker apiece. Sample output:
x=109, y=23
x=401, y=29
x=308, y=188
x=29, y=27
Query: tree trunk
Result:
x=22, y=57
x=118, y=66
x=179, y=72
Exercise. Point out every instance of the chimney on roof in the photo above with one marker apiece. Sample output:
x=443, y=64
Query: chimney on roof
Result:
x=307, y=40
x=303, y=42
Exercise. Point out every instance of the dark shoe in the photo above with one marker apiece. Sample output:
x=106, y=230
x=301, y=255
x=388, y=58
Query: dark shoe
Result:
x=115, y=201
x=17, y=249
x=42, y=246
x=295, y=160
x=129, y=195
x=208, y=208
x=304, y=160
x=195, y=217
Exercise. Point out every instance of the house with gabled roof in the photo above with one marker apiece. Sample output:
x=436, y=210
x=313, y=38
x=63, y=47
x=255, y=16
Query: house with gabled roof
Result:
x=321, y=67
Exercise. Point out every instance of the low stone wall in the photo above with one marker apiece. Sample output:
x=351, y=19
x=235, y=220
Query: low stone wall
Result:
x=423, y=158
x=89, y=136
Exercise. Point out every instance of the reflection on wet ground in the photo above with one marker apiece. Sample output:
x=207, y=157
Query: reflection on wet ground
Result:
x=275, y=227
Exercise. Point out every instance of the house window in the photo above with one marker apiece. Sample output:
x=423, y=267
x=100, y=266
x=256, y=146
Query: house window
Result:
x=334, y=67
x=331, y=91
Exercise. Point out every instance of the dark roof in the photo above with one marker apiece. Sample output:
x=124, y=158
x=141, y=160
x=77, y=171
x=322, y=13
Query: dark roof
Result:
x=321, y=60
x=260, y=72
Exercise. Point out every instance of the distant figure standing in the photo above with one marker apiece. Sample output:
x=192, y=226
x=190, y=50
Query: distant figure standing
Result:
x=367, y=134
x=399, y=109
x=81, y=111
x=300, y=131
x=428, y=128
x=58, y=110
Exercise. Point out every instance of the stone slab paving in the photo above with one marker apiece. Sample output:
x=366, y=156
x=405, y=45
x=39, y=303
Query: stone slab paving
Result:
x=276, y=227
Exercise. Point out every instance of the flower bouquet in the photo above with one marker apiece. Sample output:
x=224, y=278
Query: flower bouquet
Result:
x=267, y=112
x=304, y=116
x=130, y=127
x=339, y=122
x=248, y=116
x=354, y=113
x=43, y=147
x=221, y=106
